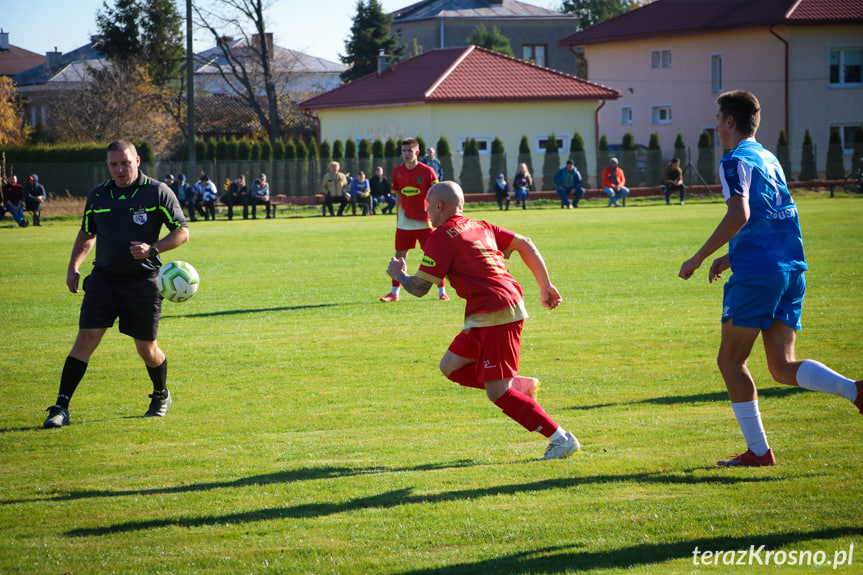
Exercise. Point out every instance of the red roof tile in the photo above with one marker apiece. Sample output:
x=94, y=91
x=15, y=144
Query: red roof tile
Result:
x=15, y=60
x=460, y=74
x=679, y=17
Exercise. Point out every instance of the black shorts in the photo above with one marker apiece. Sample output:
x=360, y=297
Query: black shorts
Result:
x=135, y=300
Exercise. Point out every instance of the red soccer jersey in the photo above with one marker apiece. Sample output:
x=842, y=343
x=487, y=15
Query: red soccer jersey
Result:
x=413, y=185
x=470, y=254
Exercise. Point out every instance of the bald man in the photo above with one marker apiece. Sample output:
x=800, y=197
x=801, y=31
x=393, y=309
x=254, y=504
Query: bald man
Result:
x=485, y=354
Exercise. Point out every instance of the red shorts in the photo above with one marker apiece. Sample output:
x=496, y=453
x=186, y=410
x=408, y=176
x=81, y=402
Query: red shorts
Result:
x=495, y=350
x=407, y=239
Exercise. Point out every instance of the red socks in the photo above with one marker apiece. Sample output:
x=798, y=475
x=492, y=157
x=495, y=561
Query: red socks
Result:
x=526, y=412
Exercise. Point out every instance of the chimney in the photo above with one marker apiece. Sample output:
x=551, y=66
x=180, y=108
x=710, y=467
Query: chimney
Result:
x=256, y=42
x=383, y=61
x=54, y=59
x=4, y=40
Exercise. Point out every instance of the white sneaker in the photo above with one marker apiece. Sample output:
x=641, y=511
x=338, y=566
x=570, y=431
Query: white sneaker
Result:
x=562, y=449
x=529, y=386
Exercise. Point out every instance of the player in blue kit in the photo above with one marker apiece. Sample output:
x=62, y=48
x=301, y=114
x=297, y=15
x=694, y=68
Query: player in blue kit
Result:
x=765, y=292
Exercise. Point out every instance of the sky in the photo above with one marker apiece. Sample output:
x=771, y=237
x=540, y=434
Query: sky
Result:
x=316, y=27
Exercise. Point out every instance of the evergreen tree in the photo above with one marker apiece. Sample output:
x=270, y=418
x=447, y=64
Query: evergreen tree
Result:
x=471, y=170
x=497, y=164
x=807, y=160
x=231, y=152
x=279, y=150
x=365, y=158
x=222, y=148
x=706, y=158
x=338, y=151
x=628, y=161
x=350, y=167
x=325, y=154
x=422, y=144
x=602, y=159
x=302, y=169
x=654, y=161
x=494, y=40
x=579, y=156
x=316, y=170
x=444, y=154
x=266, y=151
x=244, y=150
x=255, y=152
x=783, y=154
x=291, y=168
x=378, y=151
x=145, y=150
x=835, y=169
x=857, y=154
x=210, y=151
x=144, y=32
x=370, y=33
x=550, y=163
x=525, y=157
x=680, y=151
x=392, y=153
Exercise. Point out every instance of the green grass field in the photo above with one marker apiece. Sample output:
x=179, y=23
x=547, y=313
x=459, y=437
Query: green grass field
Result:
x=311, y=431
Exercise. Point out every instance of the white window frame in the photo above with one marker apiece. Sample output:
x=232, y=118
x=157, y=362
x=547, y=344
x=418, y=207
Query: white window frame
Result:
x=842, y=51
x=660, y=58
x=716, y=73
x=626, y=115
x=563, y=141
x=661, y=110
x=484, y=143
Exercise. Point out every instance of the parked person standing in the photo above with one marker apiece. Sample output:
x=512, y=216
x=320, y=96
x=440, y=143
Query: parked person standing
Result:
x=765, y=293
x=334, y=186
x=672, y=180
x=485, y=354
x=411, y=183
x=122, y=219
x=613, y=181
x=13, y=201
x=34, y=196
x=431, y=160
x=501, y=191
x=521, y=184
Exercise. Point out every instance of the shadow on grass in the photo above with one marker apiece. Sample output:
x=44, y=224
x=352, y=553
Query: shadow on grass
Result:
x=287, y=476
x=775, y=392
x=405, y=496
x=552, y=560
x=251, y=310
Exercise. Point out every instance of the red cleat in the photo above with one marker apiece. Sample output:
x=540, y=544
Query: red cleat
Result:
x=390, y=297
x=749, y=459
x=443, y=297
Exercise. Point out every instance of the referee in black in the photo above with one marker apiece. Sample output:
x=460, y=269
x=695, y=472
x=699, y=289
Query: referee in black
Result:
x=123, y=218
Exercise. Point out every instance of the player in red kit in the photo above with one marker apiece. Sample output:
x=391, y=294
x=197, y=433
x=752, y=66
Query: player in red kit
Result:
x=485, y=354
x=411, y=182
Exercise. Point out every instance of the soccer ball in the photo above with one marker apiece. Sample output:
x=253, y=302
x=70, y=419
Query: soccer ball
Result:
x=178, y=281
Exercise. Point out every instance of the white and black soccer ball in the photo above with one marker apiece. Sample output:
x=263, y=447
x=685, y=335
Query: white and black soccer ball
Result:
x=178, y=281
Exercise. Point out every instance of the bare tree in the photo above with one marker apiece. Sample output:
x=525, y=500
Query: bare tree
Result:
x=249, y=65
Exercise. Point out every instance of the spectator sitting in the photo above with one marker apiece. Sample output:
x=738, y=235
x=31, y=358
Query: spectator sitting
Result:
x=568, y=180
x=361, y=194
x=208, y=193
x=34, y=195
x=521, y=183
x=13, y=201
x=258, y=195
x=613, y=182
x=501, y=191
x=672, y=180
x=334, y=185
x=236, y=194
x=381, y=192
x=184, y=194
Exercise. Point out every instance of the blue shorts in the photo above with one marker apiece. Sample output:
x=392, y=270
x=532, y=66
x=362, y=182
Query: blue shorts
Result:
x=759, y=301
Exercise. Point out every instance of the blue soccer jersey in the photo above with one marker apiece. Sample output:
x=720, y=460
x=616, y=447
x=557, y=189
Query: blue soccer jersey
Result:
x=771, y=240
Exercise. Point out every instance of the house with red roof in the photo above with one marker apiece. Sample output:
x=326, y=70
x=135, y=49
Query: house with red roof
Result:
x=14, y=59
x=465, y=92
x=670, y=59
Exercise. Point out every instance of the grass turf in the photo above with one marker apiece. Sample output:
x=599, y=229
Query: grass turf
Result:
x=312, y=433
